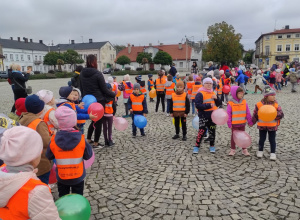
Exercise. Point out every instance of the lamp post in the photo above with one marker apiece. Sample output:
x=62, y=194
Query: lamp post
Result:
x=186, y=50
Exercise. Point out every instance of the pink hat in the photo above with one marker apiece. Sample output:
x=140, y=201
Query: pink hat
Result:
x=45, y=95
x=66, y=118
x=20, y=145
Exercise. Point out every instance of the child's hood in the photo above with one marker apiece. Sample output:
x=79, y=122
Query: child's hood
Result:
x=11, y=183
x=67, y=140
x=60, y=101
x=168, y=83
x=233, y=93
x=137, y=94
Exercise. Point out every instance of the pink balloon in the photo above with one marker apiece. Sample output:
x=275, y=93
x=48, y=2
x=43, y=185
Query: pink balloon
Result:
x=52, y=177
x=226, y=89
x=88, y=163
x=96, y=109
x=219, y=116
x=242, y=139
x=120, y=124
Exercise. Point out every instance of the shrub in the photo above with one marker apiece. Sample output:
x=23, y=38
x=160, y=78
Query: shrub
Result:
x=51, y=71
x=139, y=68
x=127, y=68
x=151, y=69
x=116, y=69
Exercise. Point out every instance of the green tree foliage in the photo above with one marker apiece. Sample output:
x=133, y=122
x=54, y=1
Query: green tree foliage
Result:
x=72, y=57
x=119, y=47
x=51, y=58
x=223, y=44
x=59, y=63
x=148, y=56
x=248, y=57
x=162, y=58
x=122, y=60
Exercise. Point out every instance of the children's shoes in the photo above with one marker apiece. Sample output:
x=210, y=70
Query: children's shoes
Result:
x=232, y=152
x=212, y=149
x=184, y=138
x=245, y=152
x=273, y=156
x=196, y=150
x=259, y=154
x=176, y=136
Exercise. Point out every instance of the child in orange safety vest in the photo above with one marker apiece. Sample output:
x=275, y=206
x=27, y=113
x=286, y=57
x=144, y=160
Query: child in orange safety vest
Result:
x=69, y=148
x=108, y=118
x=22, y=194
x=206, y=102
x=189, y=90
x=238, y=115
x=49, y=110
x=138, y=106
x=150, y=85
x=169, y=86
x=195, y=89
x=267, y=127
x=179, y=109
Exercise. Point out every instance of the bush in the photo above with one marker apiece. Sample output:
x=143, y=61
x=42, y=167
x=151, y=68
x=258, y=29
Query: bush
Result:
x=151, y=69
x=38, y=76
x=64, y=74
x=133, y=72
x=139, y=68
x=127, y=68
x=51, y=71
x=116, y=69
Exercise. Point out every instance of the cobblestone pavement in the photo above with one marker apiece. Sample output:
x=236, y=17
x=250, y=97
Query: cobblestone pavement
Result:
x=155, y=177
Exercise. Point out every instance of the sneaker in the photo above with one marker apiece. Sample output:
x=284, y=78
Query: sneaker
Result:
x=194, y=115
x=168, y=114
x=176, y=136
x=273, y=156
x=245, y=152
x=212, y=149
x=97, y=145
x=143, y=134
x=232, y=152
x=259, y=154
x=133, y=135
x=196, y=150
x=206, y=136
x=111, y=143
x=106, y=143
x=184, y=138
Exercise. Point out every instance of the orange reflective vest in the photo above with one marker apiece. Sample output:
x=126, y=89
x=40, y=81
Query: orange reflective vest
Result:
x=160, y=84
x=108, y=109
x=137, y=102
x=189, y=86
x=177, y=79
x=33, y=125
x=17, y=206
x=170, y=90
x=195, y=91
x=151, y=83
x=207, y=99
x=239, y=112
x=69, y=163
x=115, y=88
x=179, y=102
x=3, y=165
x=127, y=89
x=143, y=90
x=166, y=78
x=219, y=90
x=73, y=105
x=47, y=120
x=80, y=121
x=262, y=123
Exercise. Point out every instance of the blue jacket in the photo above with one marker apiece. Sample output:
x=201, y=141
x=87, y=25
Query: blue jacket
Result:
x=203, y=106
x=145, y=109
x=68, y=140
x=81, y=113
x=242, y=78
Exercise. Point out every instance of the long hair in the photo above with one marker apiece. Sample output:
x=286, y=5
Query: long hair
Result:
x=91, y=61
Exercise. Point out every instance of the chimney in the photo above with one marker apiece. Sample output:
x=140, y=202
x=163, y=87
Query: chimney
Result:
x=287, y=26
x=161, y=44
x=150, y=44
x=129, y=48
x=180, y=46
x=11, y=38
x=41, y=41
x=26, y=40
x=19, y=39
x=31, y=41
x=90, y=40
x=72, y=41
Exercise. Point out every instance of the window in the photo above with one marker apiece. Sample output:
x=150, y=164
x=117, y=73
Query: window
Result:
x=110, y=47
x=267, y=50
x=22, y=57
x=5, y=56
x=28, y=57
x=296, y=47
x=11, y=56
x=23, y=68
x=297, y=35
x=17, y=57
x=268, y=37
x=40, y=58
x=288, y=47
x=288, y=36
x=279, y=48
x=279, y=36
x=35, y=57
x=180, y=64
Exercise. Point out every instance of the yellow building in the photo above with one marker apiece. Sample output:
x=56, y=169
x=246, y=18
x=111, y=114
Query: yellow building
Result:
x=277, y=46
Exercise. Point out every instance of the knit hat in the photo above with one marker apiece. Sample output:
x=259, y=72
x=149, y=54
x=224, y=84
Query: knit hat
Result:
x=198, y=79
x=210, y=73
x=110, y=79
x=150, y=75
x=20, y=145
x=79, y=92
x=66, y=117
x=267, y=91
x=221, y=72
x=45, y=95
x=177, y=74
x=136, y=86
x=180, y=83
x=138, y=78
x=108, y=85
x=20, y=106
x=33, y=104
x=114, y=77
x=65, y=91
x=207, y=80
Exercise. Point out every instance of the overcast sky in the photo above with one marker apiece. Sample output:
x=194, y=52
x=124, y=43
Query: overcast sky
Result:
x=141, y=22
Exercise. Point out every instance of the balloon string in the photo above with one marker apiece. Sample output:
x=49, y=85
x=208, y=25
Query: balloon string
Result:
x=94, y=125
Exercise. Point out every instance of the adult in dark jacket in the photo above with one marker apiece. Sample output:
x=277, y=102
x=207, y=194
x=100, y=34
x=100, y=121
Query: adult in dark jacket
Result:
x=173, y=70
x=92, y=82
x=75, y=79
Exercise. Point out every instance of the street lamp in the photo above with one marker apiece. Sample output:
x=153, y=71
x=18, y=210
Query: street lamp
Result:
x=186, y=49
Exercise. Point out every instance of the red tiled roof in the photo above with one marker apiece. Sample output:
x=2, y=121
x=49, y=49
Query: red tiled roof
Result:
x=282, y=31
x=173, y=50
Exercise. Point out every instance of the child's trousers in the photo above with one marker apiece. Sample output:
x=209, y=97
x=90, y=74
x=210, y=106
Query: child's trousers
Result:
x=183, y=124
x=107, y=127
x=211, y=126
x=65, y=189
x=262, y=139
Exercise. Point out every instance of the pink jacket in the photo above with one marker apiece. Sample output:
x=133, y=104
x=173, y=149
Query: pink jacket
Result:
x=278, y=77
x=125, y=94
x=40, y=202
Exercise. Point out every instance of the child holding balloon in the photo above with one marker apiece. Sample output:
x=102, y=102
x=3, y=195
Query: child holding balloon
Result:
x=238, y=114
x=267, y=114
x=138, y=106
x=69, y=148
x=109, y=112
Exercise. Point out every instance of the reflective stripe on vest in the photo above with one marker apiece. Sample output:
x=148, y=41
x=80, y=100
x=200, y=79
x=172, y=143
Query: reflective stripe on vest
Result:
x=137, y=102
x=33, y=125
x=195, y=91
x=207, y=99
x=47, y=120
x=239, y=112
x=161, y=86
x=262, y=123
x=17, y=206
x=170, y=90
x=69, y=163
x=108, y=109
x=189, y=86
x=127, y=89
x=179, y=102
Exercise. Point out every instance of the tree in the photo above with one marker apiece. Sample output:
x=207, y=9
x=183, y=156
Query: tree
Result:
x=51, y=58
x=144, y=58
x=119, y=47
x=59, y=63
x=223, y=44
x=122, y=60
x=162, y=58
x=72, y=57
x=248, y=56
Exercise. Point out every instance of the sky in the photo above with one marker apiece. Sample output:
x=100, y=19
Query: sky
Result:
x=140, y=22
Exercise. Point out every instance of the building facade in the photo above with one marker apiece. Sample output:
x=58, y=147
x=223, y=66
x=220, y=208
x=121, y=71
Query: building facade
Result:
x=277, y=46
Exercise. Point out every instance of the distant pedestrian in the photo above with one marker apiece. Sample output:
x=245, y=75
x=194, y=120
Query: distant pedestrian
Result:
x=173, y=70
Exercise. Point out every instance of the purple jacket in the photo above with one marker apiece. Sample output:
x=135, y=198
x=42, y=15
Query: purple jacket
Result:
x=229, y=109
x=125, y=94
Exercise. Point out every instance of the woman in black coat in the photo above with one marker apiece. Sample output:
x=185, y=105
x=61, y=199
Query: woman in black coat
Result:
x=93, y=83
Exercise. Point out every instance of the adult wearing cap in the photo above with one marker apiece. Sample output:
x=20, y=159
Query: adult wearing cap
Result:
x=92, y=82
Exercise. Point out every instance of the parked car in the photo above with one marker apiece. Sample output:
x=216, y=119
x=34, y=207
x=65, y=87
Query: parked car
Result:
x=3, y=74
x=107, y=71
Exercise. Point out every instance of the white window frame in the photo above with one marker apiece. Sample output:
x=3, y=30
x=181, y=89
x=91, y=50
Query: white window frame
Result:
x=277, y=48
x=288, y=36
x=267, y=37
x=6, y=58
x=297, y=35
x=267, y=50
x=17, y=57
x=28, y=57
x=181, y=64
x=36, y=58
x=286, y=47
x=11, y=57
x=279, y=36
x=296, y=45
x=22, y=57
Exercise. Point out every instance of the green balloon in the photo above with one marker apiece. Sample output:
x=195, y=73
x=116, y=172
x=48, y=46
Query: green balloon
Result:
x=73, y=207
